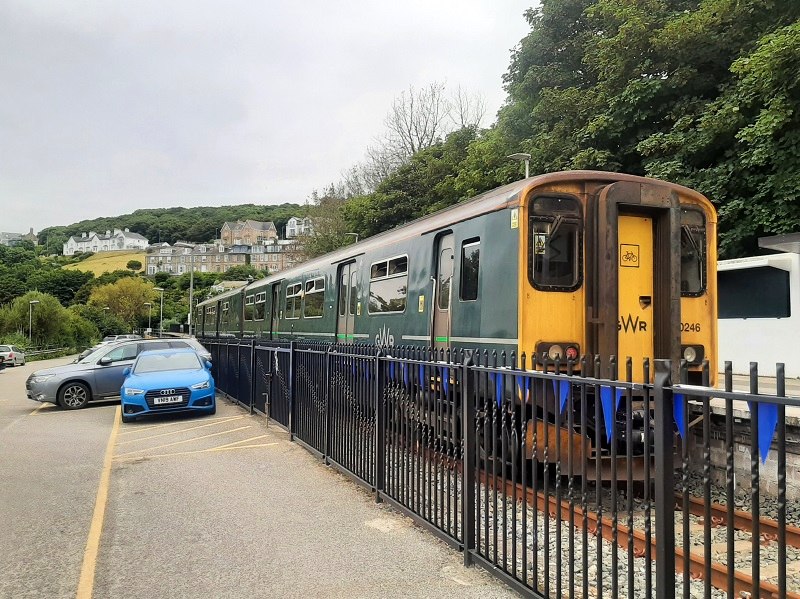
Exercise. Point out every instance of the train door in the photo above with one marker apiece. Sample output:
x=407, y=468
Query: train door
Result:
x=635, y=289
x=348, y=298
x=275, y=314
x=443, y=283
x=637, y=275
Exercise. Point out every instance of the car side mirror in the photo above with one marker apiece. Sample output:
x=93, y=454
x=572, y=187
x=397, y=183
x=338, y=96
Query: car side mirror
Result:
x=208, y=365
x=127, y=371
x=104, y=361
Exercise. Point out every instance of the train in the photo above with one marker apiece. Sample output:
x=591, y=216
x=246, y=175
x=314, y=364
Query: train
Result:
x=560, y=265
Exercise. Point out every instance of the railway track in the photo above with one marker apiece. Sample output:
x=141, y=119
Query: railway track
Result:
x=743, y=521
x=620, y=534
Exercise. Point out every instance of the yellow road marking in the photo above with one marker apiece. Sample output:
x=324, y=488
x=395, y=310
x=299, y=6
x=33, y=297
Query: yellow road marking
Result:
x=141, y=429
x=233, y=430
x=86, y=582
x=39, y=408
x=181, y=430
x=242, y=441
x=193, y=452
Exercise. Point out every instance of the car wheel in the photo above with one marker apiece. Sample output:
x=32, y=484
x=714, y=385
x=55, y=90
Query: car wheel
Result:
x=128, y=419
x=212, y=411
x=73, y=396
x=23, y=362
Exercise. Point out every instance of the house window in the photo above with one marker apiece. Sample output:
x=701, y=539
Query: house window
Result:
x=388, y=285
x=293, y=297
x=314, y=298
x=470, y=268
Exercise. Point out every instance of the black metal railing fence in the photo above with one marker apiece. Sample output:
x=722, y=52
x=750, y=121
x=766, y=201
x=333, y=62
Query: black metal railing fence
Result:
x=562, y=480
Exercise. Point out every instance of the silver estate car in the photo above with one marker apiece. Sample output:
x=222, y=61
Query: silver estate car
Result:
x=98, y=375
x=11, y=355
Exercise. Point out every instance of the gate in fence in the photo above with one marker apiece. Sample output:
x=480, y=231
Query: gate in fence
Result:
x=561, y=482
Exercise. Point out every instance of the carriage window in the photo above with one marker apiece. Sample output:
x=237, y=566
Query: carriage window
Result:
x=343, y=294
x=693, y=252
x=554, y=244
x=293, y=296
x=248, y=307
x=261, y=305
x=388, y=285
x=314, y=296
x=353, y=294
x=470, y=265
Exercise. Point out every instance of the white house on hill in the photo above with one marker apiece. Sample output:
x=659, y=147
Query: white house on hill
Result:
x=116, y=240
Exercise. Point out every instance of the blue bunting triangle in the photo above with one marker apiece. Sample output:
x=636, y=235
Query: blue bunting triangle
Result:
x=561, y=390
x=679, y=413
x=391, y=371
x=609, y=410
x=445, y=379
x=767, y=421
x=405, y=373
x=497, y=379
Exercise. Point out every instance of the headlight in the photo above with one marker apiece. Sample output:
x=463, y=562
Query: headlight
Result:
x=203, y=385
x=131, y=391
x=41, y=378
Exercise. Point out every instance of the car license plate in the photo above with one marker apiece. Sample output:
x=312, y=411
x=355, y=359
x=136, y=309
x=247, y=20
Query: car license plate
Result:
x=168, y=399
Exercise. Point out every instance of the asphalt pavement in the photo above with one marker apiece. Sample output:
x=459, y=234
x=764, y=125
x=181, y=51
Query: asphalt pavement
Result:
x=221, y=506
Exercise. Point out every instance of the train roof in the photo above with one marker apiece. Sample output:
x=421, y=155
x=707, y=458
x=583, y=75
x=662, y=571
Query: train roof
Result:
x=489, y=201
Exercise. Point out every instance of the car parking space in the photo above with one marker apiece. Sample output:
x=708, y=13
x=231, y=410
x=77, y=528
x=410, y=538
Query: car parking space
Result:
x=195, y=506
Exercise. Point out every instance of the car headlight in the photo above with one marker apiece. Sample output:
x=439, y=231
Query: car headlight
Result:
x=131, y=391
x=203, y=385
x=41, y=378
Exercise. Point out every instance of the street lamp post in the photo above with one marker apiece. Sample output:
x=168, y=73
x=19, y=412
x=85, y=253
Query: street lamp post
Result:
x=161, y=316
x=522, y=157
x=149, y=313
x=30, y=318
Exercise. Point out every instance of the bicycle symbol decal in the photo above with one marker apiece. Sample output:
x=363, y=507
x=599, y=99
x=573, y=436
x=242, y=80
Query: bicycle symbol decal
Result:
x=629, y=255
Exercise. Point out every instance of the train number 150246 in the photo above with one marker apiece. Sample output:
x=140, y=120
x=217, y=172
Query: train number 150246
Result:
x=694, y=327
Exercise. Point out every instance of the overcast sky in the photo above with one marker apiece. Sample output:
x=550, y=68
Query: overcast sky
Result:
x=109, y=106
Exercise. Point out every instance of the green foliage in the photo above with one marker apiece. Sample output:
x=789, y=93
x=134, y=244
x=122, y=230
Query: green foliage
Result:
x=50, y=322
x=134, y=265
x=173, y=224
x=242, y=273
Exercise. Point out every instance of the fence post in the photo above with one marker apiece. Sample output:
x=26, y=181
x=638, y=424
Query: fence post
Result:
x=380, y=429
x=328, y=378
x=291, y=389
x=468, y=476
x=664, y=482
x=252, y=375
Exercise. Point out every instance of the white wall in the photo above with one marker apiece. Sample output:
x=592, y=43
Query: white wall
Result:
x=764, y=340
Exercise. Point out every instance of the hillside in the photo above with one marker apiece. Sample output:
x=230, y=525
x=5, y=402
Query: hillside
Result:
x=173, y=224
x=107, y=262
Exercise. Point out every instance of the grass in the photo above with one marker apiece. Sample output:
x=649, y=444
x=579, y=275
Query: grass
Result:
x=109, y=261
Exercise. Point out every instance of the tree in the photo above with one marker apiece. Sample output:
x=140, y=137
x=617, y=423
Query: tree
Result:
x=417, y=118
x=243, y=273
x=134, y=265
x=330, y=225
x=125, y=298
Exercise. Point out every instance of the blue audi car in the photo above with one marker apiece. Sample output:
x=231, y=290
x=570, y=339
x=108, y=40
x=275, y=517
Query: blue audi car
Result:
x=167, y=381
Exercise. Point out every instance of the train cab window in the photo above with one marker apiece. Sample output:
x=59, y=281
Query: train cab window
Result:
x=554, y=244
x=314, y=298
x=693, y=252
x=388, y=285
x=470, y=267
x=249, y=312
x=261, y=305
x=293, y=296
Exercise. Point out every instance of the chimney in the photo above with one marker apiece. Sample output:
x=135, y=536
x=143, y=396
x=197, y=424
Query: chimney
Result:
x=127, y=230
x=108, y=233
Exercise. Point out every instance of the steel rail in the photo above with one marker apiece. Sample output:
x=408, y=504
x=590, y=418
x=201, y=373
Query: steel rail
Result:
x=741, y=520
